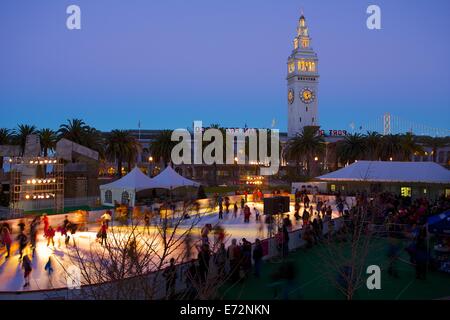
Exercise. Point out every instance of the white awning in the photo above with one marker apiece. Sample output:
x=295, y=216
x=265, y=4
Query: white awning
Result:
x=135, y=180
x=390, y=171
x=170, y=179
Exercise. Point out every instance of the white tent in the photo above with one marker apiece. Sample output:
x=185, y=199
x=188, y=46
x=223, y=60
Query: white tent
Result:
x=391, y=171
x=170, y=179
x=125, y=189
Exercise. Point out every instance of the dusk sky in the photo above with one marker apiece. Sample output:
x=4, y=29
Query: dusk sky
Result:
x=170, y=62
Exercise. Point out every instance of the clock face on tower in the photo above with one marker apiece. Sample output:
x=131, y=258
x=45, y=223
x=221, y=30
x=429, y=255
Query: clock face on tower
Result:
x=307, y=95
x=291, y=96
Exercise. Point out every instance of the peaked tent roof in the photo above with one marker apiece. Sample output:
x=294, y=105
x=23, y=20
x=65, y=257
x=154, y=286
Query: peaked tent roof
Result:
x=390, y=171
x=135, y=179
x=170, y=179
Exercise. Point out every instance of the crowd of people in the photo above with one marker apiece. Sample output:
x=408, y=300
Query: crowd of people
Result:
x=27, y=238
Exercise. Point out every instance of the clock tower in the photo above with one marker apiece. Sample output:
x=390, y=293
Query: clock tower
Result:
x=302, y=82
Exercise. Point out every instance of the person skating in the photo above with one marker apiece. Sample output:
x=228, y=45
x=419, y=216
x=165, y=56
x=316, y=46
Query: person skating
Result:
x=6, y=239
x=235, y=210
x=257, y=215
x=23, y=241
x=297, y=211
x=147, y=221
x=49, y=269
x=46, y=223
x=50, y=235
x=305, y=217
x=102, y=234
x=246, y=214
x=33, y=234
x=227, y=205
x=26, y=266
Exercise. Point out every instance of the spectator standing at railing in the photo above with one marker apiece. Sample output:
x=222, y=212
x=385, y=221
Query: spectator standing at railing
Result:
x=170, y=274
x=203, y=261
x=246, y=249
x=257, y=258
x=220, y=259
x=233, y=253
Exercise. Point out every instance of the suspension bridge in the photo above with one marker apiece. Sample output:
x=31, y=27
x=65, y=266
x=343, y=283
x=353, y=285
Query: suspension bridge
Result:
x=391, y=124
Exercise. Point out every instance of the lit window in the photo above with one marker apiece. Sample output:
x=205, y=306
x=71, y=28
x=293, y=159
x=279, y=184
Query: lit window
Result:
x=405, y=191
x=333, y=187
x=108, y=196
x=125, y=197
x=291, y=67
x=295, y=43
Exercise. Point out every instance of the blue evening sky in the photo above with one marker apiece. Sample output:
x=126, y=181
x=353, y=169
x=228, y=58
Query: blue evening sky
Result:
x=169, y=62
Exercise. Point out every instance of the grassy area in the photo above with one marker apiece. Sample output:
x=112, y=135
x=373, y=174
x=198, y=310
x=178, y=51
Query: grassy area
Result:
x=312, y=281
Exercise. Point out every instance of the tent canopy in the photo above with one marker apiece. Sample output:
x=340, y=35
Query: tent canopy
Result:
x=134, y=180
x=390, y=171
x=170, y=179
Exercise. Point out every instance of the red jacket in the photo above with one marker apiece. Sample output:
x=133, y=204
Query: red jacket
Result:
x=6, y=237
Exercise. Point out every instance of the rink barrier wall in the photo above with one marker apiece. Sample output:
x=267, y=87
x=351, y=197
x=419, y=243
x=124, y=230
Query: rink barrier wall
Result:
x=295, y=243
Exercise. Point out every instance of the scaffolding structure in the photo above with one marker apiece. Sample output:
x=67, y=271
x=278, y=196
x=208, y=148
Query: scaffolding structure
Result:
x=36, y=183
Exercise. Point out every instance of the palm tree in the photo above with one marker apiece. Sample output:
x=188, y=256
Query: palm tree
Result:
x=121, y=146
x=305, y=146
x=21, y=134
x=391, y=147
x=409, y=146
x=373, y=144
x=435, y=143
x=5, y=138
x=94, y=140
x=48, y=140
x=74, y=130
x=352, y=148
x=161, y=147
x=133, y=149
